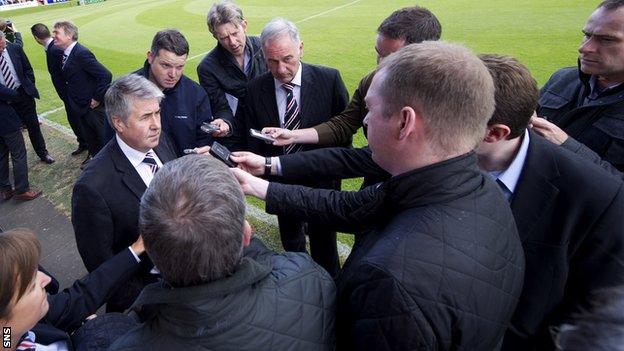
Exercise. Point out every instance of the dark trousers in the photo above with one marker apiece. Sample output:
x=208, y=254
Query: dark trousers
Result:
x=93, y=129
x=75, y=122
x=322, y=242
x=13, y=143
x=27, y=110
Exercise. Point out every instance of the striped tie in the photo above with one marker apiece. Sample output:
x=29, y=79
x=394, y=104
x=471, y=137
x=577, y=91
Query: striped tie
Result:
x=63, y=61
x=151, y=162
x=27, y=343
x=9, y=82
x=291, y=116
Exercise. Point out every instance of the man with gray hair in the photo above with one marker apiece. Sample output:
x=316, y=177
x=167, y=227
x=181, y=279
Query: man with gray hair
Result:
x=294, y=95
x=105, y=200
x=221, y=289
x=437, y=263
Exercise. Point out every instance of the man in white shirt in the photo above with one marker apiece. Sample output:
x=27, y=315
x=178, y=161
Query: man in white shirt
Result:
x=106, y=197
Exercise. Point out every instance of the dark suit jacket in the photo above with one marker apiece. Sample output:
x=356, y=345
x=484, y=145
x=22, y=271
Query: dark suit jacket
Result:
x=9, y=120
x=70, y=307
x=323, y=95
x=54, y=59
x=105, y=209
x=570, y=217
x=23, y=69
x=85, y=79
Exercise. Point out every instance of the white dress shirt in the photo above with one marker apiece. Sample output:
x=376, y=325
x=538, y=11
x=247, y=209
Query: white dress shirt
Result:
x=47, y=44
x=280, y=94
x=510, y=176
x=136, y=159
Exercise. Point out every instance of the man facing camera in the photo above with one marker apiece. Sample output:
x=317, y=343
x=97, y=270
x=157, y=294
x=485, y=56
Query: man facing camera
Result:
x=221, y=289
x=105, y=201
x=186, y=106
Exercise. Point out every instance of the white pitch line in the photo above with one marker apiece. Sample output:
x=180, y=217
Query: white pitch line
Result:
x=300, y=21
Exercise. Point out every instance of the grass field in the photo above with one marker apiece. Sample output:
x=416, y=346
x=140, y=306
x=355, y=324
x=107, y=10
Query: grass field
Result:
x=543, y=34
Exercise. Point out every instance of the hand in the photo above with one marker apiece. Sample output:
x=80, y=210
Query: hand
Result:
x=12, y=27
x=282, y=136
x=204, y=150
x=251, y=185
x=224, y=128
x=249, y=162
x=94, y=103
x=548, y=130
x=138, y=247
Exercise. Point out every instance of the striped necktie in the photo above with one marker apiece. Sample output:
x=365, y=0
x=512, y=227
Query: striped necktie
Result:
x=291, y=116
x=27, y=343
x=151, y=162
x=9, y=82
x=64, y=60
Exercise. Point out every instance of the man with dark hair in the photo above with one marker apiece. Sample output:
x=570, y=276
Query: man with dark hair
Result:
x=568, y=211
x=54, y=57
x=437, y=263
x=221, y=289
x=237, y=59
x=583, y=107
x=403, y=27
x=86, y=81
x=105, y=199
x=17, y=74
x=186, y=106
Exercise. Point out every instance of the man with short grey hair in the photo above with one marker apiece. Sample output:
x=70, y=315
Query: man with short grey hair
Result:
x=221, y=289
x=105, y=200
x=294, y=95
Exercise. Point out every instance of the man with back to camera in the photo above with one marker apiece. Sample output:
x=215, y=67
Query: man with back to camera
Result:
x=567, y=256
x=237, y=58
x=54, y=58
x=86, y=81
x=16, y=73
x=236, y=295
x=583, y=108
x=439, y=264
x=294, y=95
x=105, y=199
x=186, y=106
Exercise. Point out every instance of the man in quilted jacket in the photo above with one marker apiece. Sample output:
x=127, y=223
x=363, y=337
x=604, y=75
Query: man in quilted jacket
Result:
x=221, y=289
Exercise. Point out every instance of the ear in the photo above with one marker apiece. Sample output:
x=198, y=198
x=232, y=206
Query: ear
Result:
x=409, y=122
x=246, y=234
x=244, y=25
x=150, y=57
x=496, y=132
x=118, y=124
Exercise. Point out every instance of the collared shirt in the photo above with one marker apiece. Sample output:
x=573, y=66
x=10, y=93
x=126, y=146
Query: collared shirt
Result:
x=596, y=91
x=7, y=58
x=508, y=178
x=47, y=44
x=136, y=159
x=70, y=48
x=280, y=93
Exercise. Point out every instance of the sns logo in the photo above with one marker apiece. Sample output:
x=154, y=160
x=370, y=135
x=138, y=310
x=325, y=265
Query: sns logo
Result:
x=6, y=337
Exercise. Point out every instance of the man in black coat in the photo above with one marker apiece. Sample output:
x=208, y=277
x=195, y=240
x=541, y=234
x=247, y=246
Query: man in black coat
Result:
x=54, y=57
x=86, y=81
x=17, y=74
x=294, y=95
x=237, y=59
x=105, y=200
x=583, y=107
x=438, y=263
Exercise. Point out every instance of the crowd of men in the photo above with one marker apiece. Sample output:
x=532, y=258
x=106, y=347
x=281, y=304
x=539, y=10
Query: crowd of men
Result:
x=490, y=217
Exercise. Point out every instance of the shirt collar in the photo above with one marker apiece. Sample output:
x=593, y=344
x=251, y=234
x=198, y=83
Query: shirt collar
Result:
x=70, y=48
x=296, y=81
x=511, y=175
x=135, y=157
x=47, y=43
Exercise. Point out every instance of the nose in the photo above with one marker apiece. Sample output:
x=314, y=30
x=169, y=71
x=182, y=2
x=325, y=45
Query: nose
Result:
x=587, y=45
x=366, y=120
x=43, y=279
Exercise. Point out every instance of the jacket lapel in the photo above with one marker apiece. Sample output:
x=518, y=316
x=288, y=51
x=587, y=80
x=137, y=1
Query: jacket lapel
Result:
x=536, y=190
x=270, y=101
x=17, y=64
x=308, y=94
x=129, y=176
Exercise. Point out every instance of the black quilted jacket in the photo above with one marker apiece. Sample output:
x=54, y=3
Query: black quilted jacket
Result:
x=439, y=268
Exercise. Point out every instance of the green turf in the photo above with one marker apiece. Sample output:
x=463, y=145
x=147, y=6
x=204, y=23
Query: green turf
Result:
x=544, y=35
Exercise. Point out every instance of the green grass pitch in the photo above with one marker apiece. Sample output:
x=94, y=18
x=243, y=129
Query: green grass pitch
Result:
x=543, y=34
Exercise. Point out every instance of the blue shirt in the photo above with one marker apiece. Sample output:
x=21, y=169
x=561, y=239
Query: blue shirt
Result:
x=508, y=178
